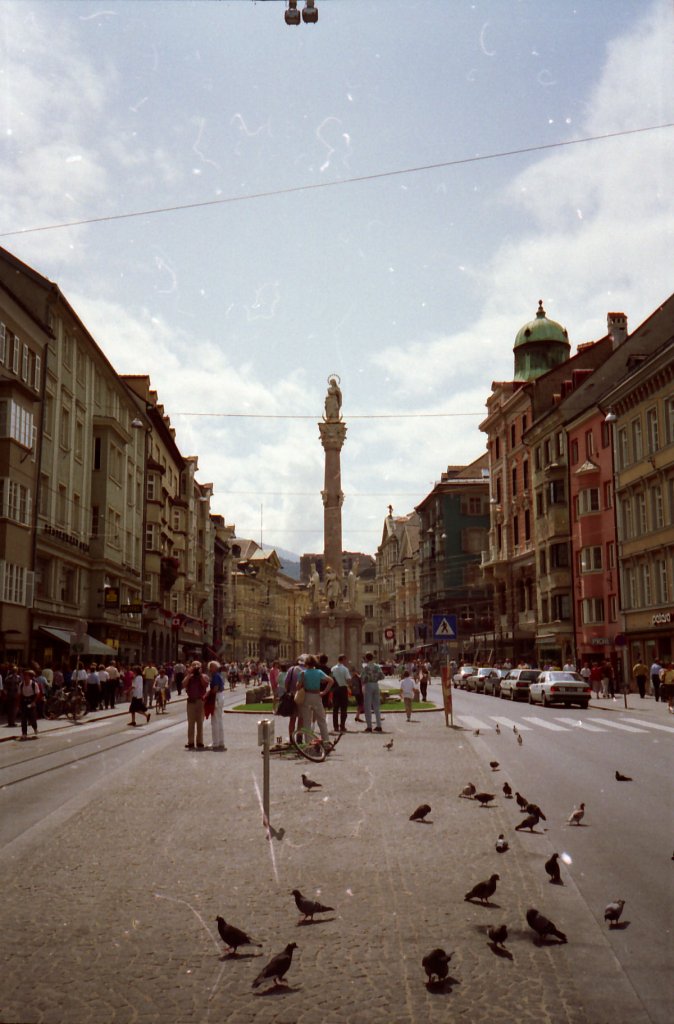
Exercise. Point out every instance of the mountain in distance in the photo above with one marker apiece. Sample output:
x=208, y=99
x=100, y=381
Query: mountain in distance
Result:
x=289, y=560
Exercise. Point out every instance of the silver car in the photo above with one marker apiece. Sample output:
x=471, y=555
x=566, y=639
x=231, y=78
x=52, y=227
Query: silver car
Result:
x=566, y=688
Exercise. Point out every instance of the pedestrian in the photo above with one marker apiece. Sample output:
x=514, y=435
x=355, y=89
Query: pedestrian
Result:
x=340, y=693
x=274, y=673
x=640, y=675
x=178, y=676
x=217, y=695
x=160, y=686
x=357, y=693
x=667, y=687
x=569, y=666
x=586, y=673
x=149, y=675
x=370, y=676
x=292, y=678
x=103, y=680
x=407, y=688
x=111, y=694
x=79, y=677
x=596, y=678
x=137, y=704
x=93, y=688
x=423, y=679
x=196, y=687
x=655, y=679
x=315, y=683
x=28, y=697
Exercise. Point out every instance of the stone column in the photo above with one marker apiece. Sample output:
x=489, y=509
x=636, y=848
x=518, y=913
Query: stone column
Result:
x=333, y=433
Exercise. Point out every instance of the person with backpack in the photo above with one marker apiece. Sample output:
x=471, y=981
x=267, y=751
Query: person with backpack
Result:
x=370, y=676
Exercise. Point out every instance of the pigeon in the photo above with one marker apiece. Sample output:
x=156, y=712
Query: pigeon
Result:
x=309, y=784
x=515, y=730
x=420, y=813
x=577, y=815
x=308, y=907
x=494, y=765
x=476, y=732
x=543, y=927
x=234, y=937
x=519, y=739
x=552, y=868
x=613, y=912
x=483, y=890
x=507, y=791
x=498, y=729
x=436, y=963
x=277, y=966
x=522, y=801
x=529, y=822
x=389, y=745
x=497, y=936
x=535, y=809
x=622, y=778
x=484, y=798
x=468, y=792
x=501, y=844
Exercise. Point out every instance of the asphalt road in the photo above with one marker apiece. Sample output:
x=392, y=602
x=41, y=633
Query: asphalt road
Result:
x=623, y=848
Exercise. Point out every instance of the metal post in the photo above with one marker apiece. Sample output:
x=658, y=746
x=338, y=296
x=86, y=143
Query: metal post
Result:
x=264, y=733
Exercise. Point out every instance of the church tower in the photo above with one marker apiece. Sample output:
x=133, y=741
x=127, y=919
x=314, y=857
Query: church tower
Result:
x=539, y=346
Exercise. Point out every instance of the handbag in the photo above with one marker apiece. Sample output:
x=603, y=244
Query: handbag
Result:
x=286, y=706
x=299, y=696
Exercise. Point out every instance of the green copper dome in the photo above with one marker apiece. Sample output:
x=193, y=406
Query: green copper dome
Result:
x=539, y=346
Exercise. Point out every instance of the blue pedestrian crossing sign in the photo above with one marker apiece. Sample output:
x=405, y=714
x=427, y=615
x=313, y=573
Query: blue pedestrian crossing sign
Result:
x=444, y=627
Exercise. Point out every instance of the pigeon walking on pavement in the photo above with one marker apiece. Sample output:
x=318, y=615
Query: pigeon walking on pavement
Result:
x=535, y=809
x=502, y=844
x=507, y=791
x=521, y=801
x=619, y=777
x=543, y=926
x=468, y=792
x=420, y=813
x=577, y=815
x=494, y=765
x=497, y=936
x=277, y=967
x=436, y=964
x=309, y=907
x=389, y=745
x=529, y=822
x=519, y=739
x=234, y=937
x=483, y=890
x=552, y=868
x=309, y=784
x=498, y=729
x=613, y=912
x=484, y=799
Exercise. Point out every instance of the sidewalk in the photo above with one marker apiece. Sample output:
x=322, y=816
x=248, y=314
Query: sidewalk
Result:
x=115, y=919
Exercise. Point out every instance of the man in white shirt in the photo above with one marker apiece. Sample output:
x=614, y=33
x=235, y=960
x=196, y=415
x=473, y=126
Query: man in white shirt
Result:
x=340, y=694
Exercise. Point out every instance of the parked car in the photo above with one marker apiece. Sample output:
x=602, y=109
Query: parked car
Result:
x=476, y=682
x=492, y=684
x=515, y=683
x=560, y=688
x=461, y=676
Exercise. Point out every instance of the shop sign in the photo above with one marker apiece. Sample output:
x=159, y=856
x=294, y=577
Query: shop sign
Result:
x=661, y=619
x=111, y=597
x=132, y=608
x=600, y=641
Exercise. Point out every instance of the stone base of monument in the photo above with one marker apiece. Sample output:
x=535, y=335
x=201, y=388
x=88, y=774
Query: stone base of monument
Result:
x=334, y=632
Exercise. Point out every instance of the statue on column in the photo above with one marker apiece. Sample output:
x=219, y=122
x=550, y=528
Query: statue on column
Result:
x=351, y=584
x=315, y=585
x=333, y=400
x=332, y=587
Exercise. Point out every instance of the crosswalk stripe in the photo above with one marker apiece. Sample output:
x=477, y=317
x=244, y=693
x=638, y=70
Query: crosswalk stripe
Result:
x=649, y=725
x=547, y=725
x=619, y=725
x=581, y=723
x=509, y=722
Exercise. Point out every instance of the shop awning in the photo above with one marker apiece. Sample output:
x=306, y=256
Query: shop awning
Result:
x=90, y=645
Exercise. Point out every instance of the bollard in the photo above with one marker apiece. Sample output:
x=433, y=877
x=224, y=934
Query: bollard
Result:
x=265, y=732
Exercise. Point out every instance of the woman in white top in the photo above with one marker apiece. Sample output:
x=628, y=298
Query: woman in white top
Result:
x=137, y=702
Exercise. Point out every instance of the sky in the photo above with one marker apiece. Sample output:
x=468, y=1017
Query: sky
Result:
x=345, y=210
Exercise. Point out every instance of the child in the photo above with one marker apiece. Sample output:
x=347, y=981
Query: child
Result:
x=407, y=688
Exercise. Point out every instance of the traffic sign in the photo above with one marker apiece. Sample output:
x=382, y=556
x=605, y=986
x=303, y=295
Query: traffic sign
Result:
x=444, y=627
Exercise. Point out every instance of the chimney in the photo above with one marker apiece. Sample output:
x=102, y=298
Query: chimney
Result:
x=616, y=328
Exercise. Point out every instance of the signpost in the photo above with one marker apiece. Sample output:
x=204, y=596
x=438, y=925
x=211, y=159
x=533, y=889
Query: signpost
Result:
x=445, y=629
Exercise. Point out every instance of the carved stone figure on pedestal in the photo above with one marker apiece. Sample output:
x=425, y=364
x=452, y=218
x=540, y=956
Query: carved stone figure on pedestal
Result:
x=333, y=400
x=314, y=585
x=332, y=588
x=351, y=584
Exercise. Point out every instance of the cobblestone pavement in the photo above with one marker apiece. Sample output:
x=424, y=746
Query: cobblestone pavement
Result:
x=109, y=905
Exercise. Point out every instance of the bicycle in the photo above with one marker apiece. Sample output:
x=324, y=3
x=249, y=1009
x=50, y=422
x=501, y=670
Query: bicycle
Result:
x=310, y=744
x=72, y=704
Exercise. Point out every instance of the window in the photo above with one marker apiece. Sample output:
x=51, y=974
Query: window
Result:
x=69, y=585
x=25, y=363
x=527, y=524
x=116, y=463
x=16, y=584
x=369, y=611
x=525, y=475
x=61, y=505
x=559, y=556
x=661, y=588
x=537, y=458
x=669, y=420
x=151, y=486
x=67, y=349
x=605, y=434
x=150, y=537
x=542, y=562
x=76, y=524
x=653, y=429
x=65, y=428
x=610, y=554
x=79, y=440
x=512, y=436
x=474, y=506
x=574, y=453
x=37, y=369
x=369, y=637
x=561, y=608
x=516, y=530
x=95, y=520
x=561, y=444
x=626, y=518
x=623, y=448
x=612, y=608
x=547, y=453
x=16, y=422
x=588, y=501
x=497, y=448
x=640, y=500
x=44, y=496
x=637, y=441
x=524, y=424
x=589, y=444
x=514, y=480
x=608, y=494
x=592, y=610
x=539, y=503
x=556, y=492
x=15, y=355
x=646, y=589
x=176, y=519
x=657, y=508
x=97, y=453
x=591, y=559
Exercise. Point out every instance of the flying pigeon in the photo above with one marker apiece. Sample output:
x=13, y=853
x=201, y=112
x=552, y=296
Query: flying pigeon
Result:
x=552, y=868
x=498, y=936
x=507, y=791
x=577, y=815
x=277, y=966
x=436, y=963
x=519, y=739
x=622, y=778
x=529, y=822
x=543, y=926
x=420, y=813
x=309, y=907
x=498, y=729
x=501, y=844
x=309, y=784
x=535, y=809
x=483, y=890
x=234, y=937
x=494, y=765
x=613, y=912
x=468, y=792
x=484, y=798
x=522, y=801
x=389, y=745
